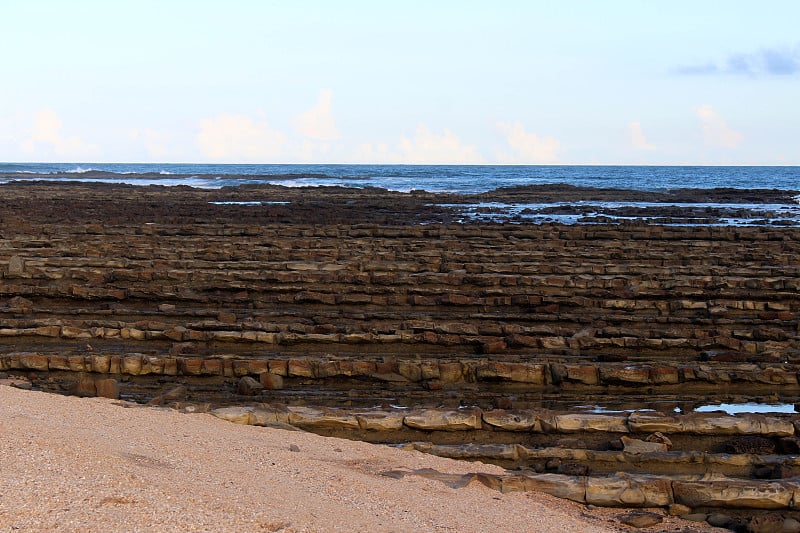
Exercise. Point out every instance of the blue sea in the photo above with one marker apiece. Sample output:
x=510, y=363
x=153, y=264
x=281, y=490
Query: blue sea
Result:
x=463, y=179
x=469, y=179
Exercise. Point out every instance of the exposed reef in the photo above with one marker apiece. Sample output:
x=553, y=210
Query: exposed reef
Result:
x=374, y=315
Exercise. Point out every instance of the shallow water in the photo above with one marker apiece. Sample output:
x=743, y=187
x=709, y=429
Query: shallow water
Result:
x=748, y=407
x=671, y=214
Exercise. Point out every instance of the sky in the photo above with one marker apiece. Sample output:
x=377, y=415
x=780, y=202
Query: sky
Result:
x=389, y=82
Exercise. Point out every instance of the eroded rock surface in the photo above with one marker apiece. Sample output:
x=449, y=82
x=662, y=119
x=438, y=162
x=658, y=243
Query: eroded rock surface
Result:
x=472, y=340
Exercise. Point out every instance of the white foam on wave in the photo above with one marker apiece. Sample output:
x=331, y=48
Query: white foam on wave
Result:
x=79, y=170
x=233, y=202
x=293, y=183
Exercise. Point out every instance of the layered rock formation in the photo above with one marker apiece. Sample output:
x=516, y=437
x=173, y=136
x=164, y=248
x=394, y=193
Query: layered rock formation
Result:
x=357, y=298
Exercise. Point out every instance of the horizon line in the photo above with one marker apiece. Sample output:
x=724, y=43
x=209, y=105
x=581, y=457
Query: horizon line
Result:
x=404, y=164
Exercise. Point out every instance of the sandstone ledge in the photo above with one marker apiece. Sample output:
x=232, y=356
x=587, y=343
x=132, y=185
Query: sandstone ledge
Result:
x=543, y=420
x=551, y=373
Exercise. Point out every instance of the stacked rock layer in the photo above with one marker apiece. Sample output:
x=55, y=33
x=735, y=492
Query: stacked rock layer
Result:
x=360, y=298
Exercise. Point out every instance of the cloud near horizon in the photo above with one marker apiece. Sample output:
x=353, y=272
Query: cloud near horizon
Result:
x=716, y=131
x=239, y=139
x=526, y=147
x=424, y=148
x=427, y=147
x=779, y=61
x=45, y=138
x=155, y=142
x=638, y=139
x=317, y=123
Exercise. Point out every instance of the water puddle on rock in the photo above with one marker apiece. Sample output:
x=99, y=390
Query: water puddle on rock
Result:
x=749, y=407
x=731, y=408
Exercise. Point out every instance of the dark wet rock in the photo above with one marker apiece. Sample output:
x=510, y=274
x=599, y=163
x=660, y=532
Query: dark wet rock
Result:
x=767, y=523
x=789, y=445
x=21, y=304
x=502, y=402
x=552, y=464
x=750, y=444
x=573, y=469
x=763, y=472
x=784, y=471
x=695, y=517
x=719, y=520
x=791, y=525
x=612, y=358
x=572, y=443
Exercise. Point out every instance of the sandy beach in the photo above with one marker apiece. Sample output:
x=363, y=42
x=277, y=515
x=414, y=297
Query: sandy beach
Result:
x=72, y=464
x=92, y=464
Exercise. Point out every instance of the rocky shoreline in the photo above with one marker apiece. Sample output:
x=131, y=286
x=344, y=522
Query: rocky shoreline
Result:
x=270, y=204
x=315, y=304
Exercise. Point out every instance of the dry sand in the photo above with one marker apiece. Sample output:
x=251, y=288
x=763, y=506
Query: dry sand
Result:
x=75, y=464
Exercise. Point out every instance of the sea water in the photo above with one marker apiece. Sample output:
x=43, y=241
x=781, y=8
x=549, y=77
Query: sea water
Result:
x=473, y=179
x=462, y=179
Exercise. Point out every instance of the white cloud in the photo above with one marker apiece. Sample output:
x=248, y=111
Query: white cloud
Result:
x=716, y=131
x=424, y=148
x=45, y=138
x=638, y=140
x=239, y=138
x=317, y=122
x=427, y=147
x=155, y=142
x=526, y=147
x=376, y=153
x=7, y=128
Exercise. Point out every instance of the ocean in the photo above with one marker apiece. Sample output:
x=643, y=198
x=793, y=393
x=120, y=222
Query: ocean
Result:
x=461, y=179
x=469, y=179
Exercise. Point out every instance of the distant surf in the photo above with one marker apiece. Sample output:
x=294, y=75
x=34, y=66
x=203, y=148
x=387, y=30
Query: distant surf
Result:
x=458, y=179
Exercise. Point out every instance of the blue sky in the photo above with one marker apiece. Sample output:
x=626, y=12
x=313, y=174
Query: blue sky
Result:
x=527, y=82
